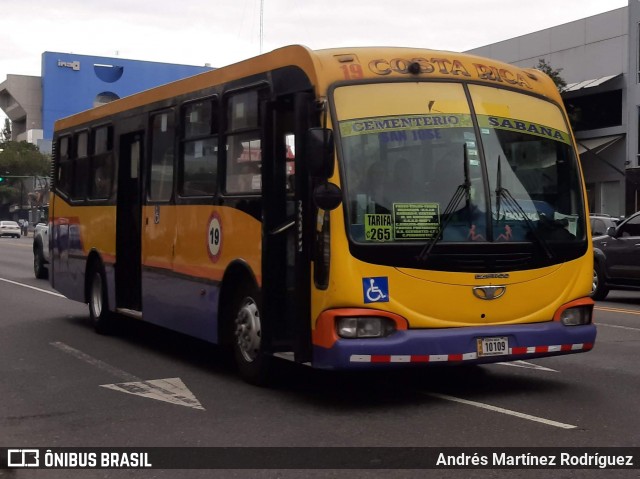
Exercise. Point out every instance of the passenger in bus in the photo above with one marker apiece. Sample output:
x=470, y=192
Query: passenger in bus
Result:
x=100, y=183
x=404, y=186
x=371, y=194
x=468, y=222
x=445, y=179
x=368, y=195
x=249, y=177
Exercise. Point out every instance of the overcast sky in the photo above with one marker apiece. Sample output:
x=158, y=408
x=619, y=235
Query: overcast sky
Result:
x=220, y=32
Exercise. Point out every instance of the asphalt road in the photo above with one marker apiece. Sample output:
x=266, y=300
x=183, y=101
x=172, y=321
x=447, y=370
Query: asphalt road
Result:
x=62, y=385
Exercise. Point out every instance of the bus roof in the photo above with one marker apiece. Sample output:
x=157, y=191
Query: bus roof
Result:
x=324, y=67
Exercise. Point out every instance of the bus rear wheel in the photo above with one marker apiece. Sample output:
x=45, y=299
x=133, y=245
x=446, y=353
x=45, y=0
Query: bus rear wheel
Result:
x=253, y=364
x=99, y=313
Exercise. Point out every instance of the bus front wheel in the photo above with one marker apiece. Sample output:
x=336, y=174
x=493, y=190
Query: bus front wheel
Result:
x=98, y=301
x=253, y=365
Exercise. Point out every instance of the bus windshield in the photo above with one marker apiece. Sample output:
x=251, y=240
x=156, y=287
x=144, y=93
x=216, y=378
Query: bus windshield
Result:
x=444, y=162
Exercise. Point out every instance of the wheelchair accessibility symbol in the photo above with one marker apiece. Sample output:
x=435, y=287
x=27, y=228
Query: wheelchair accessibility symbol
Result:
x=376, y=290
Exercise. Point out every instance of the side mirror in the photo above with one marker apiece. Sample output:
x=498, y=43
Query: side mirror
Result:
x=611, y=231
x=327, y=196
x=319, y=150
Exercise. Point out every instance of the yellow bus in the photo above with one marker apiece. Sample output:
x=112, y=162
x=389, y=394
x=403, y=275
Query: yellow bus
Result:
x=350, y=208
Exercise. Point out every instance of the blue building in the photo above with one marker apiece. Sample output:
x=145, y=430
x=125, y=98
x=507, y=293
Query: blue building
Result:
x=72, y=83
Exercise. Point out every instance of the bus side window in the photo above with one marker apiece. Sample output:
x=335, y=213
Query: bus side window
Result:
x=199, y=165
x=162, y=148
x=290, y=141
x=244, y=159
x=64, y=176
x=199, y=154
x=101, y=169
x=81, y=160
x=243, y=148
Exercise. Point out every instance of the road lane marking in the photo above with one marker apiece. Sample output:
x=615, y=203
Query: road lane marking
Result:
x=119, y=373
x=171, y=390
x=509, y=412
x=617, y=310
x=619, y=327
x=21, y=245
x=527, y=365
x=32, y=287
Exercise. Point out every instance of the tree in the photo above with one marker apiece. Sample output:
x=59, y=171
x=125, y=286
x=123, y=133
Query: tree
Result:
x=5, y=134
x=19, y=159
x=544, y=67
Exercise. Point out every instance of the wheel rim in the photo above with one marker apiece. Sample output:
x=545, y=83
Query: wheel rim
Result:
x=248, y=330
x=96, y=295
x=594, y=282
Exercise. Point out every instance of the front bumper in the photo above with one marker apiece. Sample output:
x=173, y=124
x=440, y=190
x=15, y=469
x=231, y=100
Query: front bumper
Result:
x=454, y=346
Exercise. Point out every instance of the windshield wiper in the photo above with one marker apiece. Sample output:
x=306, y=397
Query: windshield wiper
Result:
x=513, y=206
x=462, y=191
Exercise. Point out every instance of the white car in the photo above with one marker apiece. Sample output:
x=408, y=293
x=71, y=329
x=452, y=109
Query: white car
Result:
x=10, y=228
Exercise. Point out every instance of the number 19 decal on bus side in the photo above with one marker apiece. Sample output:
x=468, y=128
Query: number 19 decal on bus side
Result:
x=214, y=237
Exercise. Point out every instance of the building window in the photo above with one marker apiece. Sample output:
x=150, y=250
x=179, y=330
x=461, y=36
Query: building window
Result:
x=590, y=112
x=104, y=97
x=108, y=73
x=638, y=54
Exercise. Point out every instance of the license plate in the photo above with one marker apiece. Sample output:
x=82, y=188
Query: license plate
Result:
x=498, y=346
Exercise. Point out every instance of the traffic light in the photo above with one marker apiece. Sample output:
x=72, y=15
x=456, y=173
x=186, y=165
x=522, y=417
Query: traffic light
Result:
x=1, y=179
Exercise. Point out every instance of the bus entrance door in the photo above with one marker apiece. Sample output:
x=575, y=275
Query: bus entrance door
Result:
x=128, y=220
x=285, y=264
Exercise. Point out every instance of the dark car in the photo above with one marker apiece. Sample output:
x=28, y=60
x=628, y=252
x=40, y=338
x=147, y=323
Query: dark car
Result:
x=601, y=223
x=617, y=258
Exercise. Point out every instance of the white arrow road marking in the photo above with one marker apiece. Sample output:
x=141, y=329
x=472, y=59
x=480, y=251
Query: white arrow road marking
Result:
x=171, y=390
x=525, y=364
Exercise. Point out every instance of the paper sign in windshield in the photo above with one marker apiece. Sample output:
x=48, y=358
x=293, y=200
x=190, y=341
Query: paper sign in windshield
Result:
x=415, y=221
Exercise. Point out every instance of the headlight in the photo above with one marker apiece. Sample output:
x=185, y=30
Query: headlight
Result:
x=576, y=316
x=365, y=327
